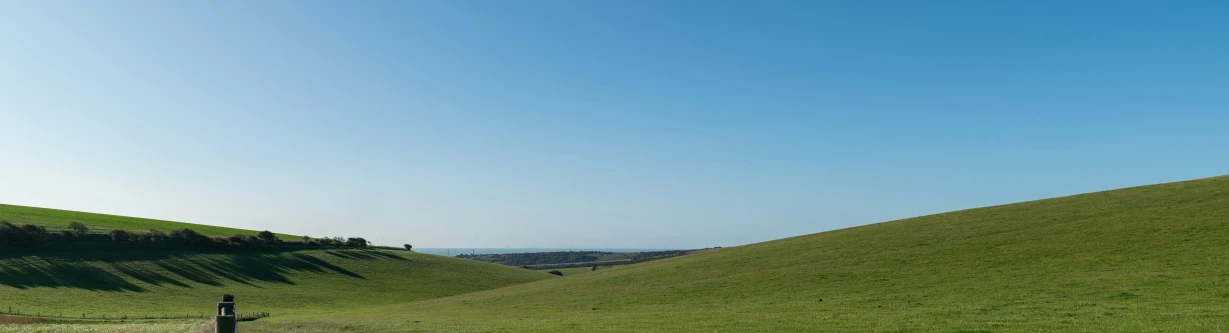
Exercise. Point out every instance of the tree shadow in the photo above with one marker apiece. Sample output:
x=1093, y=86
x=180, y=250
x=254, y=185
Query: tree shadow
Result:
x=135, y=269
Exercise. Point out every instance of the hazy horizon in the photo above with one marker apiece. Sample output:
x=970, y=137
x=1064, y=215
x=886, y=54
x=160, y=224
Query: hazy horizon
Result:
x=547, y=124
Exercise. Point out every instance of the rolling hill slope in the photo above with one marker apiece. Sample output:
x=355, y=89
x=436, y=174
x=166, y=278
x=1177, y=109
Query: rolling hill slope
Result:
x=1152, y=258
x=139, y=282
x=59, y=219
x=154, y=280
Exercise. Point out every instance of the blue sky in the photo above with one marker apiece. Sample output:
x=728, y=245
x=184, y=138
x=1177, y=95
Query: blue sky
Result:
x=661, y=124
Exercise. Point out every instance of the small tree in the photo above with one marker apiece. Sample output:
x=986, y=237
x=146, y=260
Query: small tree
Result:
x=307, y=239
x=409, y=247
x=267, y=236
x=79, y=228
x=356, y=242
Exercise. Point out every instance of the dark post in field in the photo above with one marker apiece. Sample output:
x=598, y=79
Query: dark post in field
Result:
x=226, y=321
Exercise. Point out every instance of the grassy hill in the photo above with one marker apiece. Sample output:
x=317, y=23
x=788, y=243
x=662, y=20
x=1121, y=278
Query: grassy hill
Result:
x=1152, y=258
x=139, y=282
x=59, y=219
x=103, y=279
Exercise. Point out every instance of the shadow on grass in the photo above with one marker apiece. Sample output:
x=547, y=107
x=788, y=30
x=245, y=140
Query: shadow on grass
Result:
x=128, y=269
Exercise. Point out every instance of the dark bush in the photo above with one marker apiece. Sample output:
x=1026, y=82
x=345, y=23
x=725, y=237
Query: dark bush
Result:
x=37, y=233
x=68, y=236
x=25, y=235
x=409, y=247
x=119, y=236
x=176, y=237
x=268, y=236
x=556, y=273
x=327, y=241
x=158, y=237
x=193, y=238
x=79, y=228
x=253, y=241
x=356, y=242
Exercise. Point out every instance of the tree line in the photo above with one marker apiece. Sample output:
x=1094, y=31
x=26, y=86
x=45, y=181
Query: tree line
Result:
x=27, y=235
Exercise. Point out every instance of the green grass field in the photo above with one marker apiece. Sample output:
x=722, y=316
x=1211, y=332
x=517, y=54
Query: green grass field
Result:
x=55, y=218
x=185, y=326
x=574, y=271
x=145, y=282
x=1144, y=259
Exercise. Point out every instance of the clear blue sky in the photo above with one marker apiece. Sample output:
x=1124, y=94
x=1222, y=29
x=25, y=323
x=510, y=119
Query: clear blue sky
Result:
x=599, y=123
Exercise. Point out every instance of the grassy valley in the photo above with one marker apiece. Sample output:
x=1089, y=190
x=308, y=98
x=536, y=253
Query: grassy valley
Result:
x=1144, y=259
x=1152, y=258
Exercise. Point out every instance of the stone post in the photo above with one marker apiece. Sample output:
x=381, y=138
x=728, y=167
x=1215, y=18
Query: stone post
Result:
x=226, y=321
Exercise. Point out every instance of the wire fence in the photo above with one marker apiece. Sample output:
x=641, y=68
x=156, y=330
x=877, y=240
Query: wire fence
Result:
x=246, y=316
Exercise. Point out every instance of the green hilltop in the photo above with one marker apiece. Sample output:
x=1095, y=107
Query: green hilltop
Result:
x=1152, y=258
x=59, y=219
x=97, y=279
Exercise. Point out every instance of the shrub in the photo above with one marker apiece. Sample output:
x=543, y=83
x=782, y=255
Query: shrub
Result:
x=409, y=247
x=25, y=235
x=556, y=273
x=307, y=239
x=79, y=228
x=38, y=234
x=68, y=235
x=253, y=241
x=193, y=238
x=119, y=236
x=356, y=242
x=267, y=236
x=176, y=237
x=158, y=237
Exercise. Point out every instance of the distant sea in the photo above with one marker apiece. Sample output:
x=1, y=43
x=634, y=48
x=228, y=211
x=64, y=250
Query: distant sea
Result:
x=455, y=251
